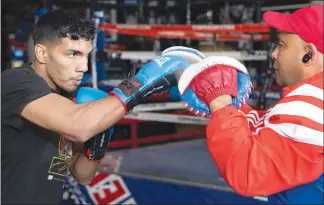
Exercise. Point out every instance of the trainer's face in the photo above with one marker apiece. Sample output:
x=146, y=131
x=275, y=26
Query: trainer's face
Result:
x=287, y=58
x=67, y=61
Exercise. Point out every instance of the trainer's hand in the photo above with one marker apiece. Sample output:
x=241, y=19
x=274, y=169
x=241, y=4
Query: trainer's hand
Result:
x=202, y=83
x=96, y=147
x=220, y=102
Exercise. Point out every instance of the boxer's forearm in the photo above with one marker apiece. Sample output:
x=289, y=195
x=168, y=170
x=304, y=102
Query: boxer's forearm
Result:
x=82, y=169
x=93, y=118
x=78, y=122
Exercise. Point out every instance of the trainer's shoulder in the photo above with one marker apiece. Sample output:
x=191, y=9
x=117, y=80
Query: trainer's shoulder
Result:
x=317, y=80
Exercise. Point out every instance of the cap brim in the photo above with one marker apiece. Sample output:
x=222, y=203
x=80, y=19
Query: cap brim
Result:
x=279, y=21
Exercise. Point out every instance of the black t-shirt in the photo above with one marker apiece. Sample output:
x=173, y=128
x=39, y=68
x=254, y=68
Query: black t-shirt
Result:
x=33, y=167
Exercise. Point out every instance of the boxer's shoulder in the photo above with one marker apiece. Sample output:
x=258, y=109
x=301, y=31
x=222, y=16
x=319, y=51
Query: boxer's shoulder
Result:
x=23, y=73
x=22, y=86
x=24, y=69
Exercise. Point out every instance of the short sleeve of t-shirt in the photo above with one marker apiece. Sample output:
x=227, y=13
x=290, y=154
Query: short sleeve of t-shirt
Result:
x=19, y=86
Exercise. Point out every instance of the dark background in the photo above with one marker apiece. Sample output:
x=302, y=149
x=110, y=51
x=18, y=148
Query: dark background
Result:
x=18, y=15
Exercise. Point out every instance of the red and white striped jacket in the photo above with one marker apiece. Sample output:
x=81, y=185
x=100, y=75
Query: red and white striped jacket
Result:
x=260, y=153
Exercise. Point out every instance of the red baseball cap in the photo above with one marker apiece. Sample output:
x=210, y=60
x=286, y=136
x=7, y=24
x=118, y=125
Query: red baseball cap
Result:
x=306, y=22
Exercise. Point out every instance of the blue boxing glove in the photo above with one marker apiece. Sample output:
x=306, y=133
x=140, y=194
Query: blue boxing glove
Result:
x=156, y=77
x=190, y=54
x=94, y=148
x=201, y=83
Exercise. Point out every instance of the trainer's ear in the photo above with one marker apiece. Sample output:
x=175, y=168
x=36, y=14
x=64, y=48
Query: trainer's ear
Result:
x=310, y=48
x=40, y=53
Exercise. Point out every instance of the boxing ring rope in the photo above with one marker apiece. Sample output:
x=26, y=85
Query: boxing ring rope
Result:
x=171, y=118
x=252, y=32
x=258, y=55
x=154, y=30
x=284, y=7
x=93, y=57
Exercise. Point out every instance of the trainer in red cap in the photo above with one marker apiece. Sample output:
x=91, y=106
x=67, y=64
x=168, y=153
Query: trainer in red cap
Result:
x=277, y=152
x=306, y=23
x=299, y=51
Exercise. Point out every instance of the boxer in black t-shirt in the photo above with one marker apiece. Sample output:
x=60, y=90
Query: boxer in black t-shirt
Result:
x=35, y=116
x=46, y=136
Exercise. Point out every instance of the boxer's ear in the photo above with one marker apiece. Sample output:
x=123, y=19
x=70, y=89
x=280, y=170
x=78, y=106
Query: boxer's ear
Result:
x=40, y=53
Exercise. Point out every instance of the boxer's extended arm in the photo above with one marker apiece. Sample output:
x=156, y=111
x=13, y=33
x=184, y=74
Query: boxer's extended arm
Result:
x=78, y=121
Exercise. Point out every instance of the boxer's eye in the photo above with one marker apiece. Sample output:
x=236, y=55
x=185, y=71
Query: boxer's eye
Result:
x=72, y=54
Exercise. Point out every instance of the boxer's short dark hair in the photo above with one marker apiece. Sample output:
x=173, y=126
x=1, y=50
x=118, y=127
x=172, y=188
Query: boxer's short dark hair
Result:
x=58, y=24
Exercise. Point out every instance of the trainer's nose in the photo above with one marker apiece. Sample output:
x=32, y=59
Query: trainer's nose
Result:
x=274, y=54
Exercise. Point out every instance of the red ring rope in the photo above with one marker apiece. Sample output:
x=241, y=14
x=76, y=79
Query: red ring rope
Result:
x=199, y=32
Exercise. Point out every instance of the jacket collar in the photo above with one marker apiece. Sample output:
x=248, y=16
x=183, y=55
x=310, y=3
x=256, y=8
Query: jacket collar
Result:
x=289, y=89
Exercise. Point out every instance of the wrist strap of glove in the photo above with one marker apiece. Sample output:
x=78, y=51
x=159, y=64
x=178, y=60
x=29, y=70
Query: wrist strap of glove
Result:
x=128, y=92
x=95, y=148
x=132, y=92
x=130, y=89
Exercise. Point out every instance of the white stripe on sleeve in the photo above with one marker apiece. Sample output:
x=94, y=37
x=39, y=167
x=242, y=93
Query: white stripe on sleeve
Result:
x=298, y=108
x=298, y=133
x=308, y=90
